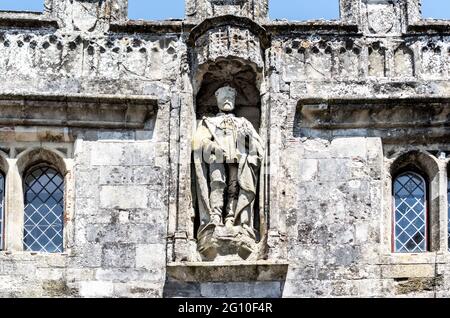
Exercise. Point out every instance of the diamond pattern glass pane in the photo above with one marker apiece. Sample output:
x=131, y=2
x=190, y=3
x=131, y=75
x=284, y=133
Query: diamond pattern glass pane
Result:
x=44, y=210
x=448, y=203
x=410, y=213
x=2, y=200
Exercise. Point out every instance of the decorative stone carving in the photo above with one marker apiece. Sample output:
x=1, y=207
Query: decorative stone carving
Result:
x=212, y=40
x=377, y=60
x=228, y=153
x=381, y=17
x=432, y=61
x=404, y=62
x=85, y=15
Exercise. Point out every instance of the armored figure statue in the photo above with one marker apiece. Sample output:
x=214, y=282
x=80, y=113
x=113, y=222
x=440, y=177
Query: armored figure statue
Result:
x=228, y=153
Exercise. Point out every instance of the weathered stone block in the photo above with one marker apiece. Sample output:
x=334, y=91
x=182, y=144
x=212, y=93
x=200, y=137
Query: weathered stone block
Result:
x=309, y=169
x=408, y=271
x=96, y=289
x=175, y=288
x=334, y=169
x=124, y=153
x=349, y=148
x=151, y=256
x=124, y=197
x=118, y=255
x=116, y=175
x=86, y=255
x=246, y=290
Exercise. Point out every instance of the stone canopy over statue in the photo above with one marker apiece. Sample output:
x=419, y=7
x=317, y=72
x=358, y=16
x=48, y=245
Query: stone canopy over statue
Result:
x=228, y=153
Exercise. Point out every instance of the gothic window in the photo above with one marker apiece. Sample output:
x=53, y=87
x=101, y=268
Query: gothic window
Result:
x=150, y=10
x=304, y=9
x=44, y=210
x=2, y=203
x=15, y=5
x=410, y=213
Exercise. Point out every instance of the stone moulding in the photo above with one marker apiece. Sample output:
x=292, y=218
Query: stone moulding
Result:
x=156, y=27
x=228, y=271
x=195, y=31
x=233, y=21
x=229, y=2
x=113, y=112
x=360, y=113
x=26, y=20
x=319, y=26
x=379, y=117
x=430, y=26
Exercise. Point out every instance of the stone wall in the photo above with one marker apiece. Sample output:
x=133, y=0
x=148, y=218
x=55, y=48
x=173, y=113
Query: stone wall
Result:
x=341, y=106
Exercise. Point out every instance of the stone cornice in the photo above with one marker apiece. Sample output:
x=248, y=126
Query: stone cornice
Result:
x=228, y=271
x=83, y=111
x=38, y=20
x=152, y=27
x=26, y=20
x=441, y=27
x=392, y=119
x=316, y=26
x=374, y=100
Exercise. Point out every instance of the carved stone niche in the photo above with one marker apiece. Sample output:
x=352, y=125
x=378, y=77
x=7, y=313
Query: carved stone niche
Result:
x=229, y=67
x=226, y=212
x=226, y=63
x=229, y=189
x=227, y=36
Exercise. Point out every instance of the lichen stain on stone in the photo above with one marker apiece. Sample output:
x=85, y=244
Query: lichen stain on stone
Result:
x=417, y=285
x=58, y=288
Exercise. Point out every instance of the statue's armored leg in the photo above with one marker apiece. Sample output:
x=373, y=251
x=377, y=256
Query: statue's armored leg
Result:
x=218, y=185
x=233, y=194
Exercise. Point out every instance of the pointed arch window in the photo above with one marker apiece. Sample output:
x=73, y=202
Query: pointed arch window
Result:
x=44, y=210
x=410, y=213
x=2, y=208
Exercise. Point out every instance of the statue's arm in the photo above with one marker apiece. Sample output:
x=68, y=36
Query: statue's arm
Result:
x=203, y=139
x=256, y=138
x=256, y=148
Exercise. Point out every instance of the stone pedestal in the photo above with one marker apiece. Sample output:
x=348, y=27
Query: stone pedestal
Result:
x=260, y=271
x=230, y=242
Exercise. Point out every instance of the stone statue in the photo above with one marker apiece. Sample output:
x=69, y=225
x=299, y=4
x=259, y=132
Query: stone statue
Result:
x=228, y=153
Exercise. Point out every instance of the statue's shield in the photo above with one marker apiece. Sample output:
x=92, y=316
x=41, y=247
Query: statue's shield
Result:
x=85, y=15
x=381, y=17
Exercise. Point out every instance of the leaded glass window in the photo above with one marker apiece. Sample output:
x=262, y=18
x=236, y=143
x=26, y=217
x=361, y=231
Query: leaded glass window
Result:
x=2, y=203
x=44, y=210
x=410, y=213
